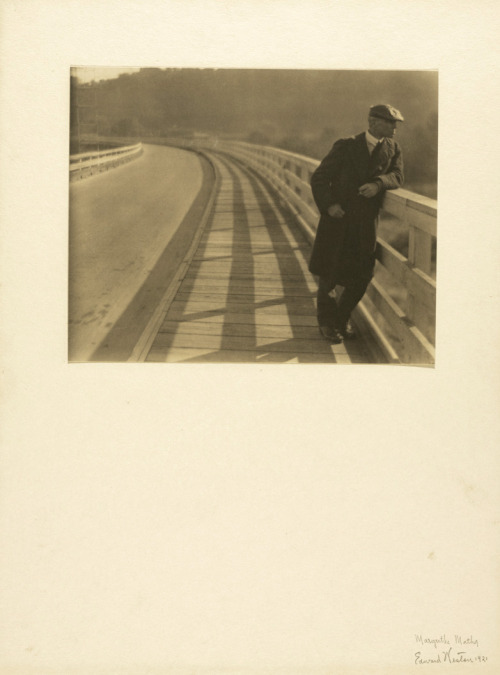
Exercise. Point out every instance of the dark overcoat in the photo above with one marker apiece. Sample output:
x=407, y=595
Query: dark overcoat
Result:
x=337, y=179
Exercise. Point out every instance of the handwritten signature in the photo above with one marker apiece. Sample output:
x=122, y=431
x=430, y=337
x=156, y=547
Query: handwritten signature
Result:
x=449, y=656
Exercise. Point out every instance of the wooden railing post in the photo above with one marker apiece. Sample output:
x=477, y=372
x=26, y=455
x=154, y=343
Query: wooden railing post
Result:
x=420, y=250
x=419, y=258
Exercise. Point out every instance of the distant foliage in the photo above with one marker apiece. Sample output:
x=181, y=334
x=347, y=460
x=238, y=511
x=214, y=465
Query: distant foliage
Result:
x=298, y=110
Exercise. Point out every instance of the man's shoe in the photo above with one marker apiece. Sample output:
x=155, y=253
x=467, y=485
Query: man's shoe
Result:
x=347, y=331
x=331, y=334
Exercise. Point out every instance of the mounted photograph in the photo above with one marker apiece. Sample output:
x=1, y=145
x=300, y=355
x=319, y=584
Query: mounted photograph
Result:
x=252, y=216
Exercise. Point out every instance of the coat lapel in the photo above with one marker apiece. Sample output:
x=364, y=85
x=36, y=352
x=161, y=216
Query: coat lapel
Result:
x=380, y=157
x=368, y=166
x=361, y=156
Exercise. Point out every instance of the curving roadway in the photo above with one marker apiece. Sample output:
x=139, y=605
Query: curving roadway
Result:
x=128, y=231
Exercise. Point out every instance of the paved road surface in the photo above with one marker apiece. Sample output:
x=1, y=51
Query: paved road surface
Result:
x=120, y=223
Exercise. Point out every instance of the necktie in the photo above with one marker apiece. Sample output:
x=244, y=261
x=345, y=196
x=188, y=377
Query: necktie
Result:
x=376, y=150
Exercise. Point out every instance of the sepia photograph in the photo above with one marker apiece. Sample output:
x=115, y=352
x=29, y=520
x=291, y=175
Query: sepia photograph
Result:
x=193, y=194
x=252, y=215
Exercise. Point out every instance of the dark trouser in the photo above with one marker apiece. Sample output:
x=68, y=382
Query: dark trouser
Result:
x=333, y=313
x=353, y=272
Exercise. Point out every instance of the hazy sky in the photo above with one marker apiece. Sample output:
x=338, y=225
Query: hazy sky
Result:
x=89, y=73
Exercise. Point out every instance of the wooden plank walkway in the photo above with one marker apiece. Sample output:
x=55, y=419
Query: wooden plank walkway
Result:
x=247, y=295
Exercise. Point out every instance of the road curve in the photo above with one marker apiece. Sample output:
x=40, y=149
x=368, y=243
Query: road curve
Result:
x=121, y=224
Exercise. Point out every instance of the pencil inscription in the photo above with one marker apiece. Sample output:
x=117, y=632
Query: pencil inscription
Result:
x=448, y=650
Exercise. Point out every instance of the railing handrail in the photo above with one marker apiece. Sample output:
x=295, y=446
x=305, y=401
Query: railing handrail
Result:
x=82, y=156
x=86, y=164
x=398, y=196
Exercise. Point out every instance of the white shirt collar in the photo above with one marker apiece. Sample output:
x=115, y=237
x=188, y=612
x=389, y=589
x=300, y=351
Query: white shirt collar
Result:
x=371, y=140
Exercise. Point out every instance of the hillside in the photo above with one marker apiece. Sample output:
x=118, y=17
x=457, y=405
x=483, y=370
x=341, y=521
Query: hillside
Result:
x=300, y=110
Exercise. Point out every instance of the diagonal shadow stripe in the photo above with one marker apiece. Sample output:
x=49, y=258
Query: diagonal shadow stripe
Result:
x=244, y=240
x=273, y=214
x=356, y=349
x=284, y=249
x=239, y=280
x=240, y=224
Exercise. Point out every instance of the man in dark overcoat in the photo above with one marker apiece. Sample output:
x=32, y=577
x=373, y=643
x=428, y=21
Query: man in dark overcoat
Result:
x=348, y=188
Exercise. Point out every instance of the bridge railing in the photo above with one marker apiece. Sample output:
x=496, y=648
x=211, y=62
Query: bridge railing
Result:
x=87, y=163
x=399, y=307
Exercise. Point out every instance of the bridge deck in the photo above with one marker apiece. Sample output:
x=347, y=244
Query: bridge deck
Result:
x=247, y=295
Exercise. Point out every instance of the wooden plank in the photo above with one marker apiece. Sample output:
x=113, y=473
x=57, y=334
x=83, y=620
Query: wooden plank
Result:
x=200, y=355
x=240, y=329
x=259, y=231
x=221, y=296
x=244, y=257
x=422, y=221
x=245, y=210
x=281, y=284
x=415, y=348
x=418, y=283
x=420, y=250
x=261, y=333
x=221, y=227
x=243, y=245
x=267, y=251
x=273, y=319
x=297, y=184
x=425, y=322
x=375, y=342
x=256, y=222
x=284, y=248
x=255, y=264
x=243, y=227
x=238, y=343
x=404, y=198
x=251, y=241
x=275, y=283
x=239, y=304
x=276, y=279
x=270, y=268
x=237, y=288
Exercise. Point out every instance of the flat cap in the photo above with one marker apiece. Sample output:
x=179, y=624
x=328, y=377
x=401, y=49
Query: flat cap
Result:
x=386, y=112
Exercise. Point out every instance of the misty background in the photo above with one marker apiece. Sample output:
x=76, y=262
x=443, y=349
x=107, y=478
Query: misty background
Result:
x=303, y=111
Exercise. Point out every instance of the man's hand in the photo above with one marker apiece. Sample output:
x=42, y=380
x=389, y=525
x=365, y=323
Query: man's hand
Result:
x=369, y=190
x=336, y=211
